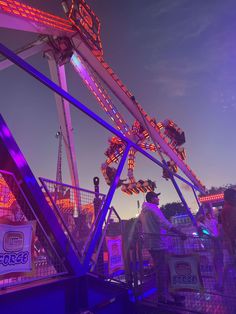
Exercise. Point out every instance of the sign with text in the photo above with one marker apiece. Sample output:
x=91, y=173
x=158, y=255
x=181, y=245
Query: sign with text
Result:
x=16, y=247
x=115, y=256
x=185, y=273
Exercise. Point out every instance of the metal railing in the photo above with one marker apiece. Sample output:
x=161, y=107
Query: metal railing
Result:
x=215, y=272
x=78, y=220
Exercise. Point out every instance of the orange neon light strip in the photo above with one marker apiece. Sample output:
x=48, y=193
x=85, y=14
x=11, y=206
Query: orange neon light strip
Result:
x=211, y=198
x=20, y=9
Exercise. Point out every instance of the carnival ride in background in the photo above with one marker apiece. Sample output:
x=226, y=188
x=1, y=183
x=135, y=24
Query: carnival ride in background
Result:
x=76, y=40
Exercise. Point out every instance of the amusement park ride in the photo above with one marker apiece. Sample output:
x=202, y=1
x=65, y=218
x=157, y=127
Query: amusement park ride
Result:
x=76, y=40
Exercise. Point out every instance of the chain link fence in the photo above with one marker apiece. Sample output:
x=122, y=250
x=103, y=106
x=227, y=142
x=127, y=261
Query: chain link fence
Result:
x=77, y=210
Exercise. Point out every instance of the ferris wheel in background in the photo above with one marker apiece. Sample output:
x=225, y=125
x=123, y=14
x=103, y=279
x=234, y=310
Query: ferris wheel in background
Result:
x=76, y=40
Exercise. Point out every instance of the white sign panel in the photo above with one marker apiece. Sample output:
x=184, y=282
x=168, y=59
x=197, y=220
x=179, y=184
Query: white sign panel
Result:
x=115, y=256
x=185, y=273
x=16, y=248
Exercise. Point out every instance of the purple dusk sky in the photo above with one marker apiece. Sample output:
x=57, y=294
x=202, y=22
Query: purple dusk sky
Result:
x=179, y=60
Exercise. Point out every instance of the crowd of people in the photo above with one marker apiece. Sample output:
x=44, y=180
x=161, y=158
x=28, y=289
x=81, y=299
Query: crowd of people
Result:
x=221, y=229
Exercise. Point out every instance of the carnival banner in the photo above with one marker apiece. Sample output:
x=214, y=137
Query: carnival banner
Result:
x=115, y=256
x=16, y=247
x=185, y=273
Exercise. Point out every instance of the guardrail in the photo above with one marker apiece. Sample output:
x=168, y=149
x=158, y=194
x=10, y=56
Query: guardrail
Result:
x=194, y=269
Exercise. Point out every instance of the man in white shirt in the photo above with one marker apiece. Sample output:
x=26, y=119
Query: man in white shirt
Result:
x=155, y=227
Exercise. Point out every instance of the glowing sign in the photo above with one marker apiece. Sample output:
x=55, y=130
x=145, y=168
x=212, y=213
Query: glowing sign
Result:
x=6, y=196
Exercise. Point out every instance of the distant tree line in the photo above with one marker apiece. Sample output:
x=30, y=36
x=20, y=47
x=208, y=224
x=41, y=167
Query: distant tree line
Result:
x=173, y=209
x=220, y=189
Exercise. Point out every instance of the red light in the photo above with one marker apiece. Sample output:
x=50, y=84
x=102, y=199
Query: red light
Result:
x=17, y=8
x=212, y=198
x=6, y=196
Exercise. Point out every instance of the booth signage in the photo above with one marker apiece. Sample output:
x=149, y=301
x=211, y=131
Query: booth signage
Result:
x=115, y=256
x=185, y=273
x=16, y=248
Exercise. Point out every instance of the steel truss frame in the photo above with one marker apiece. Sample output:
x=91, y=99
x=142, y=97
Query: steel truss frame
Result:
x=129, y=144
x=68, y=44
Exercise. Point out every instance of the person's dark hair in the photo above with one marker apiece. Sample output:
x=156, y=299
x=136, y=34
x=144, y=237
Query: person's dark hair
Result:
x=230, y=196
x=150, y=195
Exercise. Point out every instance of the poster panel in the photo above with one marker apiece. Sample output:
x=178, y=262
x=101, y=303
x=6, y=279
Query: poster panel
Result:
x=115, y=254
x=16, y=243
x=185, y=273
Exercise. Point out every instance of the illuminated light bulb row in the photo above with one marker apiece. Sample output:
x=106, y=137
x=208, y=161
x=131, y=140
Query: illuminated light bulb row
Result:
x=137, y=187
x=116, y=140
x=209, y=198
x=145, y=133
x=150, y=147
x=130, y=189
x=84, y=16
x=114, y=154
x=71, y=8
x=131, y=164
x=159, y=125
x=16, y=8
x=139, y=131
x=152, y=121
x=115, y=77
x=106, y=102
x=114, y=157
x=114, y=147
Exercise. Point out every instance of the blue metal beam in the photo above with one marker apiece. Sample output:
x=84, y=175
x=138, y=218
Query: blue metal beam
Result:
x=104, y=210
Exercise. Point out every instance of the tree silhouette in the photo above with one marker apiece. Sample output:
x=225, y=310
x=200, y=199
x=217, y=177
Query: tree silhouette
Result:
x=172, y=209
x=220, y=189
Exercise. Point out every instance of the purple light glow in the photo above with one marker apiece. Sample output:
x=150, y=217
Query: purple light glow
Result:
x=18, y=158
x=5, y=132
